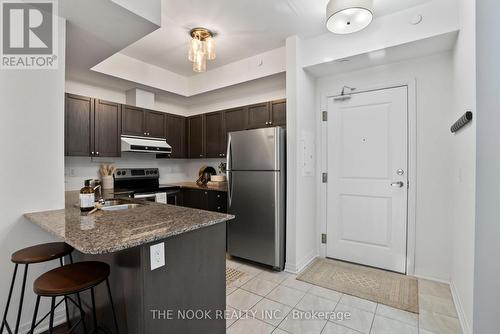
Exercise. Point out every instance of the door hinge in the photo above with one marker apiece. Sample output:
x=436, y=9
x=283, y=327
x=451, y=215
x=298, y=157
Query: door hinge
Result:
x=324, y=116
x=323, y=238
x=324, y=177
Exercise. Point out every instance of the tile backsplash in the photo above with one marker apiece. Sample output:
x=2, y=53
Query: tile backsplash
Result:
x=78, y=169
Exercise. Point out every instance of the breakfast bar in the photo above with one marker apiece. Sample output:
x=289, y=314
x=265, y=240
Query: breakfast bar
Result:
x=167, y=262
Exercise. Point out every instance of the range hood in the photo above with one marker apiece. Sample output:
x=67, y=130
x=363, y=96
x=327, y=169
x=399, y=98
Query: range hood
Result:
x=145, y=145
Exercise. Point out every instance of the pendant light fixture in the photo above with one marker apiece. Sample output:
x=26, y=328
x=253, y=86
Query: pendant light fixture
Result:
x=348, y=16
x=201, y=48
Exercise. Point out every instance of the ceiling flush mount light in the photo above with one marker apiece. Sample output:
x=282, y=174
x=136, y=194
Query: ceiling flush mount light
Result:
x=348, y=16
x=201, y=48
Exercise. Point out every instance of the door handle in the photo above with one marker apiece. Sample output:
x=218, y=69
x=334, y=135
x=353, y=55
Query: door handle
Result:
x=399, y=184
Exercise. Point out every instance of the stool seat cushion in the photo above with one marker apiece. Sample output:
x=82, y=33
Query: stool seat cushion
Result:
x=41, y=253
x=71, y=278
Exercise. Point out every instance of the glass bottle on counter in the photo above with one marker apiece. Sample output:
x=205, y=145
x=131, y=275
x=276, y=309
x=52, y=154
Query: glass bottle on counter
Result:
x=87, y=197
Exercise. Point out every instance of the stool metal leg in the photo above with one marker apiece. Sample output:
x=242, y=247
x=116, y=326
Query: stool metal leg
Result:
x=93, y=309
x=68, y=321
x=112, y=306
x=33, y=323
x=4, y=320
x=52, y=311
x=82, y=314
x=21, y=300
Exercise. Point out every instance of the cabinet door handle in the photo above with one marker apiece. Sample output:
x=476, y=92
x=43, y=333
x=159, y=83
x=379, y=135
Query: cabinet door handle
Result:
x=96, y=153
x=201, y=155
x=92, y=153
x=270, y=123
x=218, y=208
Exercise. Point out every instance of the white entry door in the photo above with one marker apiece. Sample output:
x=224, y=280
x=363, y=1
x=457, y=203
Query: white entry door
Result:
x=367, y=178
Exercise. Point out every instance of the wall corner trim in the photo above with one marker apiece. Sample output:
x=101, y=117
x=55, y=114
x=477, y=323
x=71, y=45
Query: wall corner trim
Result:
x=297, y=268
x=464, y=323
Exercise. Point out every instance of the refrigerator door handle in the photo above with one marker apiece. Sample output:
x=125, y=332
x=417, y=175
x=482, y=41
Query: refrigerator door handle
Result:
x=228, y=168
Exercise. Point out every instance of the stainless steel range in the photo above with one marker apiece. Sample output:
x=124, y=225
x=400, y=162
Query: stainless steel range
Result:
x=144, y=183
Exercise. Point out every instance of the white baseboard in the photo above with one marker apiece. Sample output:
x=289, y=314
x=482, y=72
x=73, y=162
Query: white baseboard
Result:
x=431, y=279
x=466, y=328
x=301, y=265
x=59, y=318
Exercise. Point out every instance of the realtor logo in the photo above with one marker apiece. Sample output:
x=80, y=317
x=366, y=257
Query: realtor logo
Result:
x=29, y=34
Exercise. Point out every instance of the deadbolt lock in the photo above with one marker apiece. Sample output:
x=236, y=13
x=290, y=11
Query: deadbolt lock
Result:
x=400, y=172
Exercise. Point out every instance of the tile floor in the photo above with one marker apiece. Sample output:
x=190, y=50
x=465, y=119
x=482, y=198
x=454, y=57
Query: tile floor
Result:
x=262, y=301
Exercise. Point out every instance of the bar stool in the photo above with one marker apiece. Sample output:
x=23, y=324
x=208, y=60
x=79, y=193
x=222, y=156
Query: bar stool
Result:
x=72, y=279
x=31, y=255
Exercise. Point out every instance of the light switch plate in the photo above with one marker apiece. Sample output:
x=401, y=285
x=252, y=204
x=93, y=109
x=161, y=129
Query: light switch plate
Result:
x=157, y=255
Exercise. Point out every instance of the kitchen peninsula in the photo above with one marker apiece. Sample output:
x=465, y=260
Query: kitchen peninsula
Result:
x=190, y=278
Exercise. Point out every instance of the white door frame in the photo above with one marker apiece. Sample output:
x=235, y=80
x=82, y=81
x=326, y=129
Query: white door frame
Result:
x=412, y=163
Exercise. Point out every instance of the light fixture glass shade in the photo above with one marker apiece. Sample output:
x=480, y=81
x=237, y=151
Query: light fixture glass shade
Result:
x=195, y=46
x=201, y=48
x=348, y=16
x=200, y=62
x=210, y=48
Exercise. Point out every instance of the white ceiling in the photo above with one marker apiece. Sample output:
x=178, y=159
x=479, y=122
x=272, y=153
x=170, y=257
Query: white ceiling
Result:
x=244, y=28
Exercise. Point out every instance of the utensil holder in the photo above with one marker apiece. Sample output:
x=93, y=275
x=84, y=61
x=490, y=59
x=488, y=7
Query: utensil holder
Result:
x=107, y=182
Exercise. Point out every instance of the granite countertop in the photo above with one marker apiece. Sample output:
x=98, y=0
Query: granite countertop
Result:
x=111, y=231
x=194, y=185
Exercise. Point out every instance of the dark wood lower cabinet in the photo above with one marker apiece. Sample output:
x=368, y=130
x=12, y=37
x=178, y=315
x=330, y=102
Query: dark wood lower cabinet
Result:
x=217, y=201
x=210, y=200
x=194, y=198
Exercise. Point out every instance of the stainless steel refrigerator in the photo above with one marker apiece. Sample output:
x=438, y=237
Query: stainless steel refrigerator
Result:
x=256, y=169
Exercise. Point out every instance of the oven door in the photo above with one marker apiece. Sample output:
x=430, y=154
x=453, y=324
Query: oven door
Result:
x=151, y=197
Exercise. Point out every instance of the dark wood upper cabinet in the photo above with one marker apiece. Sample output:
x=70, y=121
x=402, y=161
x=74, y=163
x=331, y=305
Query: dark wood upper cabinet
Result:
x=278, y=113
x=78, y=125
x=195, y=133
x=258, y=115
x=144, y=123
x=155, y=124
x=133, y=121
x=234, y=120
x=214, y=135
x=107, y=129
x=92, y=127
x=176, y=135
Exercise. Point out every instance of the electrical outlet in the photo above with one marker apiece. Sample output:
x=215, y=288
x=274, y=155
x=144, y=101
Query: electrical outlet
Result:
x=157, y=255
